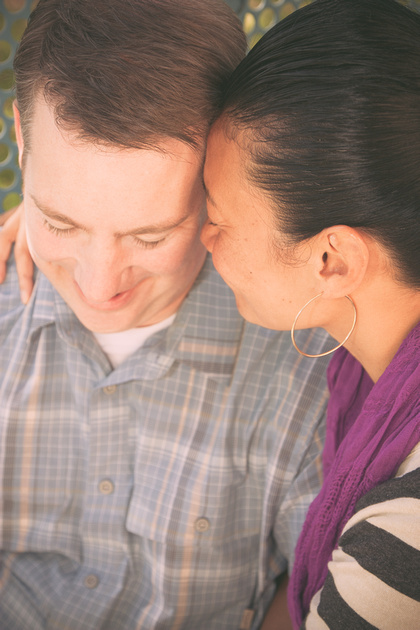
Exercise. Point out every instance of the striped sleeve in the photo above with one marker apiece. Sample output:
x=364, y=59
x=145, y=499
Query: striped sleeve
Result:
x=374, y=576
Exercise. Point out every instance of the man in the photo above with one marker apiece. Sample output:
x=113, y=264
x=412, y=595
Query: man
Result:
x=158, y=454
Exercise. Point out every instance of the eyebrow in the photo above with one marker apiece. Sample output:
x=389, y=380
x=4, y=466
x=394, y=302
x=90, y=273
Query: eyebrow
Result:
x=153, y=228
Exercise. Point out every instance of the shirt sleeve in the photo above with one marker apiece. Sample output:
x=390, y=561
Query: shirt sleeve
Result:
x=374, y=576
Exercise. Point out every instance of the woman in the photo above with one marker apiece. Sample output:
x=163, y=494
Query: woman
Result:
x=313, y=186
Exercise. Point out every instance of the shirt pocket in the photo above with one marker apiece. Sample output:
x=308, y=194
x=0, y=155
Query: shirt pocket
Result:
x=202, y=543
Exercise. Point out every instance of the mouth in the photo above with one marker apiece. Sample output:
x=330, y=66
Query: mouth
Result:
x=119, y=300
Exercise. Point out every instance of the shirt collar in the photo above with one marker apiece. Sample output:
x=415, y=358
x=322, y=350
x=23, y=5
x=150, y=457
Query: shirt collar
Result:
x=205, y=334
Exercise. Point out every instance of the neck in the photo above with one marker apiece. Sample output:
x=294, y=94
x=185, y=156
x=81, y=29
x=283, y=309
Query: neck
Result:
x=384, y=319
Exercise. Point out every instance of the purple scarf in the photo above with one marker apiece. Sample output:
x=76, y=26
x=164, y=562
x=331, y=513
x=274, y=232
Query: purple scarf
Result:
x=371, y=429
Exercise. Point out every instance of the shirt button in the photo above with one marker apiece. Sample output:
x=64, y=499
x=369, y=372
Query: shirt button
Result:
x=91, y=581
x=106, y=486
x=109, y=389
x=202, y=525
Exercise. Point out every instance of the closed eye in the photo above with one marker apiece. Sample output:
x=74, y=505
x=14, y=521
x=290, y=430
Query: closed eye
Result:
x=148, y=244
x=210, y=222
x=58, y=231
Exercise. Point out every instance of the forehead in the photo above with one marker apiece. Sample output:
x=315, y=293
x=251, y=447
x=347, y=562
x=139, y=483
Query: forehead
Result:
x=234, y=200
x=226, y=169
x=67, y=173
x=225, y=162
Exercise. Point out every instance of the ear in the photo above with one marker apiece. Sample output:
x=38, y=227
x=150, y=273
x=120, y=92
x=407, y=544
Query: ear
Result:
x=342, y=260
x=18, y=130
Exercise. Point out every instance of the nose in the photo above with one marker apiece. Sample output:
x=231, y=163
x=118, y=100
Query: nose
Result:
x=208, y=234
x=101, y=273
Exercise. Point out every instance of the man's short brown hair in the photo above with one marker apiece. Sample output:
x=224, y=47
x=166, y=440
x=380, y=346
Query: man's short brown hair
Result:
x=128, y=73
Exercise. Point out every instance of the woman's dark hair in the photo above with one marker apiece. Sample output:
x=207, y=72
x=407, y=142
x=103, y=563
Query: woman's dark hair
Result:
x=328, y=103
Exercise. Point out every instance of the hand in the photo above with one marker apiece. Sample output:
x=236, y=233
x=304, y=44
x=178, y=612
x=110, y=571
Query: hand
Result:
x=14, y=232
x=277, y=616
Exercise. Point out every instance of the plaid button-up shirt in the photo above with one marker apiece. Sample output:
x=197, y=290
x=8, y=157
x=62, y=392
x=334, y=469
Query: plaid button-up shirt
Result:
x=167, y=493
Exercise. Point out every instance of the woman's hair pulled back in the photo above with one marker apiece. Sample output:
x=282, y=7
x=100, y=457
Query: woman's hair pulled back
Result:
x=328, y=104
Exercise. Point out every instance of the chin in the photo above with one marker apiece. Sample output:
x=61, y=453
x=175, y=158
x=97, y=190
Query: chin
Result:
x=102, y=323
x=247, y=313
x=254, y=317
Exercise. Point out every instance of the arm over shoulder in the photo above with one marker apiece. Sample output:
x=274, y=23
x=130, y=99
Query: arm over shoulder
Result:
x=374, y=576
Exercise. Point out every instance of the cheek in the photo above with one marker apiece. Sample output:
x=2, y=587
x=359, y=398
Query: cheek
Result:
x=45, y=246
x=180, y=253
x=229, y=259
x=245, y=267
x=38, y=242
x=208, y=236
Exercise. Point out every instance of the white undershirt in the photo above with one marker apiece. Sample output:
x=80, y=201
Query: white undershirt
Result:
x=118, y=346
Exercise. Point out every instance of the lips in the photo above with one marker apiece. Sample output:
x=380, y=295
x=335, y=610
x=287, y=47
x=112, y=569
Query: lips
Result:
x=116, y=302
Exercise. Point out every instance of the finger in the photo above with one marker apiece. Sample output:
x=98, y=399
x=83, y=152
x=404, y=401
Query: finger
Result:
x=24, y=264
x=4, y=216
x=7, y=237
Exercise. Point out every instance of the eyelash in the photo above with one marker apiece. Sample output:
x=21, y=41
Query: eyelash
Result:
x=67, y=231
x=57, y=231
x=147, y=244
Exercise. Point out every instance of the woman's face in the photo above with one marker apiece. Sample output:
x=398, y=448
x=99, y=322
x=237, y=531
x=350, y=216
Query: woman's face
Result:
x=270, y=285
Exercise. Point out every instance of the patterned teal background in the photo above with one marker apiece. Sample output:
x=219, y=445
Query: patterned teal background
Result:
x=257, y=17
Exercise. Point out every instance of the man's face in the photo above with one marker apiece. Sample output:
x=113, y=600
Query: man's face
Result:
x=116, y=231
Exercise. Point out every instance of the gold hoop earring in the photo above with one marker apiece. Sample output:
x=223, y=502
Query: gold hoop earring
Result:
x=323, y=354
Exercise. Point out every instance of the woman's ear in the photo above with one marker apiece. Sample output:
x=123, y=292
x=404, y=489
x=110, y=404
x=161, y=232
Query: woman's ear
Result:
x=343, y=256
x=18, y=130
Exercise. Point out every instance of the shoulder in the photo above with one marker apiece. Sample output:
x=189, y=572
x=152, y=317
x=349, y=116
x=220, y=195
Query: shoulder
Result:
x=404, y=486
x=374, y=576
